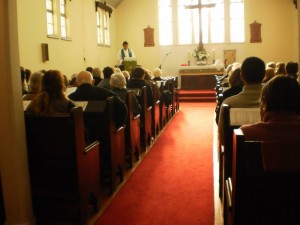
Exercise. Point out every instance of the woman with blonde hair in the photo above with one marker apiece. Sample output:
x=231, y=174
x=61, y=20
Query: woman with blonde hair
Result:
x=280, y=68
x=52, y=97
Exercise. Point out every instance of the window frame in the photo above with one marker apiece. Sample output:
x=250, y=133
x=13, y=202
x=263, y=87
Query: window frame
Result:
x=103, y=27
x=175, y=27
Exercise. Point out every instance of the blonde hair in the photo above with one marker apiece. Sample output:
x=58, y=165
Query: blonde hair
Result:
x=126, y=74
x=117, y=80
x=157, y=72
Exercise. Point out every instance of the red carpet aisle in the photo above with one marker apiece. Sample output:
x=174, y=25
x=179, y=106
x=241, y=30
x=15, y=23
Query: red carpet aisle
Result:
x=174, y=183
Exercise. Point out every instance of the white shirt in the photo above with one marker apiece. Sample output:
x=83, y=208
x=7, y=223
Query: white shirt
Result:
x=126, y=52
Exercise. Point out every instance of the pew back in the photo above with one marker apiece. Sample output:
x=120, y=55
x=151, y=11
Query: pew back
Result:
x=64, y=174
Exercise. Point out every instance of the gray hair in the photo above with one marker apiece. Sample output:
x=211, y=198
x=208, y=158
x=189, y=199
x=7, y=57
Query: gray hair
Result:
x=118, y=80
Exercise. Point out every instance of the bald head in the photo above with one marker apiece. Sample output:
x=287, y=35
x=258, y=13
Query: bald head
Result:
x=84, y=77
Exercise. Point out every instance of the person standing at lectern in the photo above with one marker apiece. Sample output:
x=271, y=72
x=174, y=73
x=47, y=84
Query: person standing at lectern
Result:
x=123, y=53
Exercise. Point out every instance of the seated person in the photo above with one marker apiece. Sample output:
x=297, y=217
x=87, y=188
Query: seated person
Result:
x=252, y=74
x=138, y=81
x=107, y=72
x=52, y=98
x=270, y=73
x=126, y=75
x=152, y=84
x=292, y=69
x=271, y=65
x=280, y=108
x=23, y=80
x=280, y=68
x=236, y=86
x=86, y=92
x=118, y=84
x=96, y=76
x=157, y=73
x=35, y=85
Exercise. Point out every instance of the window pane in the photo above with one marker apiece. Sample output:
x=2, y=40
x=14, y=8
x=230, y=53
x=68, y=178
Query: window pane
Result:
x=165, y=22
x=184, y=23
x=50, y=29
x=237, y=25
x=49, y=5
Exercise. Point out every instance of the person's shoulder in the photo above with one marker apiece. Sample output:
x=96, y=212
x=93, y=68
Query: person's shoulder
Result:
x=232, y=100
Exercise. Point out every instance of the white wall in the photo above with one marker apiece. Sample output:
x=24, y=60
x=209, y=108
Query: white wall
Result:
x=279, y=33
x=67, y=56
x=279, y=21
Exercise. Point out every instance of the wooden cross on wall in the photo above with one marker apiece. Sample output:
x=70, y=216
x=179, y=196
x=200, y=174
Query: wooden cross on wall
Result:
x=200, y=6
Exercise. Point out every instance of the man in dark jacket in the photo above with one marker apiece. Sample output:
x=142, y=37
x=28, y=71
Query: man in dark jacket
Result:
x=86, y=92
x=138, y=81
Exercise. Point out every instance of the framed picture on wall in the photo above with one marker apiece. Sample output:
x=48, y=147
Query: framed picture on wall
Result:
x=229, y=56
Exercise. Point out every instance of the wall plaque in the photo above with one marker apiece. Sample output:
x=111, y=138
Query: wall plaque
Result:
x=149, y=37
x=255, y=29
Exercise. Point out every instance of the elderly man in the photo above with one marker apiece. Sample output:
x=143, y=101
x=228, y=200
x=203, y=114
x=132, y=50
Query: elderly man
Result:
x=86, y=92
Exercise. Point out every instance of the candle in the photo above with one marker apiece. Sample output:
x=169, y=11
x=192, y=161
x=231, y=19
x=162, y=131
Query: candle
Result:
x=213, y=54
x=189, y=56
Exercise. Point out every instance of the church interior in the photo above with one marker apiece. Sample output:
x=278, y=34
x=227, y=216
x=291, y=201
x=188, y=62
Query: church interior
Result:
x=180, y=172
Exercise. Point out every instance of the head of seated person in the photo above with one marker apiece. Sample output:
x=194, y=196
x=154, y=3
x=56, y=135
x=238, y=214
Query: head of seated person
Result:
x=292, y=69
x=271, y=65
x=117, y=81
x=138, y=73
x=52, y=98
x=147, y=74
x=126, y=75
x=96, y=72
x=252, y=71
x=281, y=94
x=84, y=78
x=89, y=69
x=235, y=78
x=280, y=68
x=35, y=82
x=157, y=73
x=270, y=73
x=107, y=72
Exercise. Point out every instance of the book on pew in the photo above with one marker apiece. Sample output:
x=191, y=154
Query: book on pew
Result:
x=25, y=104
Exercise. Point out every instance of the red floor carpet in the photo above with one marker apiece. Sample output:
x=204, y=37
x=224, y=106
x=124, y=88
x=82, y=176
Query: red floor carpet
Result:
x=174, y=183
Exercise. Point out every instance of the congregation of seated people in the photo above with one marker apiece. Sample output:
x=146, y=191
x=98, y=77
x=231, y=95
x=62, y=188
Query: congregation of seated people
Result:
x=51, y=92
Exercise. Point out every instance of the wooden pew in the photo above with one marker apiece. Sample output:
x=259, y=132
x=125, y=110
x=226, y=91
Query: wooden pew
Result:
x=146, y=116
x=233, y=119
x=162, y=107
x=132, y=132
x=2, y=212
x=264, y=188
x=64, y=174
x=100, y=124
x=176, y=91
x=155, y=115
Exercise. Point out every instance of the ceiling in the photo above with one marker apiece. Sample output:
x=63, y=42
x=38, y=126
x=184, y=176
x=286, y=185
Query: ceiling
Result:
x=113, y=3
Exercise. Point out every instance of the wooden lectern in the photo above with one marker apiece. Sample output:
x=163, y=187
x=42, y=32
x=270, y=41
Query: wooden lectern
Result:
x=129, y=64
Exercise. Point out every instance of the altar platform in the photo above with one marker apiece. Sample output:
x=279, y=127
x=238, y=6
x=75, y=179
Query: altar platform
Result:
x=199, y=77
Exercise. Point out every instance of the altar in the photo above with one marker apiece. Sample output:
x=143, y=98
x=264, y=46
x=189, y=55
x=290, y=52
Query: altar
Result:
x=199, y=77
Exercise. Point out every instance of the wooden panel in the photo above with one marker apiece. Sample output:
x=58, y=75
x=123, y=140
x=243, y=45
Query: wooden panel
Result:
x=198, y=82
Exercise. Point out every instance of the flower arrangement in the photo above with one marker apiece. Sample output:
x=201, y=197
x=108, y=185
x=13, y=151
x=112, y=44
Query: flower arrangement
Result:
x=200, y=54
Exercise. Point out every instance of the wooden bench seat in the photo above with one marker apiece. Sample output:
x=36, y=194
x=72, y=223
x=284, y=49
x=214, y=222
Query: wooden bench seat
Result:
x=264, y=187
x=132, y=132
x=64, y=173
x=100, y=125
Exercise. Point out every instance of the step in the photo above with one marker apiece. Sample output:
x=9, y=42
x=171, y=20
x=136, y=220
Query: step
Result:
x=197, y=99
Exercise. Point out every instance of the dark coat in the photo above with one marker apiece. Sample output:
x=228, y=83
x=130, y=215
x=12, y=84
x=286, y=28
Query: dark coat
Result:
x=87, y=92
x=122, y=93
x=137, y=83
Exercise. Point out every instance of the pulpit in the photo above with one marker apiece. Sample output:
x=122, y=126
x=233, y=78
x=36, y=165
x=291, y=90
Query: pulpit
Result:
x=129, y=64
x=199, y=77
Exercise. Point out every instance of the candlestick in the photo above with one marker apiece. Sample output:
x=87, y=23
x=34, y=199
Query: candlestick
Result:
x=214, y=56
